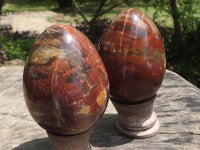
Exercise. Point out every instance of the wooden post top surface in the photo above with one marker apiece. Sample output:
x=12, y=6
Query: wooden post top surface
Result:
x=177, y=106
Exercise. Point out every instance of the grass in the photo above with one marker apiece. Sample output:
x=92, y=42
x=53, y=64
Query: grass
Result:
x=88, y=6
x=39, y=5
x=162, y=17
x=27, y=5
x=36, y=5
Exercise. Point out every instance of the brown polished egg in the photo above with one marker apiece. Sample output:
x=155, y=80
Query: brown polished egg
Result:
x=133, y=53
x=65, y=82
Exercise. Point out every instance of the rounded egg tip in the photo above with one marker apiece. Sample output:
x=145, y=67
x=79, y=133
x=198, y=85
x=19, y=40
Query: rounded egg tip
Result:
x=133, y=53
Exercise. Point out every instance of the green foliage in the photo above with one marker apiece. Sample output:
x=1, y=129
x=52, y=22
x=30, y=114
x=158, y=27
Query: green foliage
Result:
x=29, y=5
x=14, y=48
x=187, y=19
x=1, y=5
x=183, y=55
x=64, y=3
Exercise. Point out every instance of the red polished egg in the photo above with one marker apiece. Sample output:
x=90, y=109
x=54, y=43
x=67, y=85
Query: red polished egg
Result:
x=133, y=53
x=65, y=82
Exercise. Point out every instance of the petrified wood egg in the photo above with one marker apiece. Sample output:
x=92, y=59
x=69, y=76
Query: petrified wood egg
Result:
x=65, y=82
x=134, y=56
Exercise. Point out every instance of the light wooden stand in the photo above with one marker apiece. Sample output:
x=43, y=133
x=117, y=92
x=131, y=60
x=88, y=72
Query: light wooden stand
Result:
x=137, y=120
x=71, y=142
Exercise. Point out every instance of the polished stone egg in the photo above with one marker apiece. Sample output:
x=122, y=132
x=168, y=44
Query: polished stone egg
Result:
x=133, y=53
x=65, y=83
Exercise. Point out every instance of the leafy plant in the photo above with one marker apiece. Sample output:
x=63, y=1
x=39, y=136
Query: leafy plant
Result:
x=181, y=40
x=94, y=27
x=94, y=35
x=15, y=46
x=3, y=53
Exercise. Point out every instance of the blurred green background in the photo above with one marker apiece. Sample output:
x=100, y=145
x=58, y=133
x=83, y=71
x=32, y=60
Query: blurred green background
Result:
x=177, y=20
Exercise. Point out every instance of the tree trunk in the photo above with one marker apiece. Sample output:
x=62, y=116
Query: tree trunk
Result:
x=64, y=4
x=175, y=16
x=1, y=5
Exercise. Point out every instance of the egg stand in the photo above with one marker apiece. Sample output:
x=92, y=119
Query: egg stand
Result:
x=71, y=142
x=137, y=120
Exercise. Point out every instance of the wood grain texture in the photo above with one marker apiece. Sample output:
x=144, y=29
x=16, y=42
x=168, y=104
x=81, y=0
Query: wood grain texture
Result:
x=177, y=106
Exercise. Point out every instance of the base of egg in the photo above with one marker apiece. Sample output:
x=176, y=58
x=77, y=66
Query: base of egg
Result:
x=137, y=120
x=71, y=142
